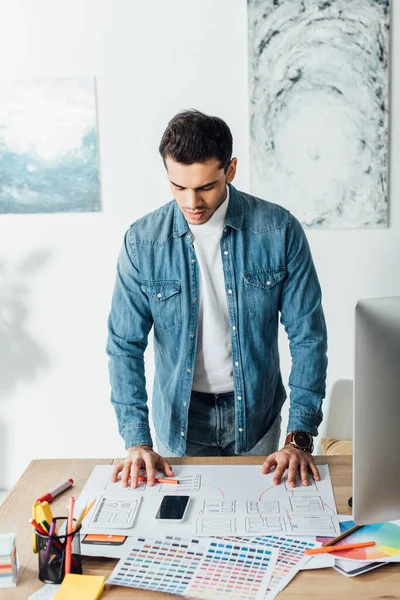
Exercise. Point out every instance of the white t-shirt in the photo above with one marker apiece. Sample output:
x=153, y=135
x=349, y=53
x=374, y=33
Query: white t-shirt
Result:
x=213, y=365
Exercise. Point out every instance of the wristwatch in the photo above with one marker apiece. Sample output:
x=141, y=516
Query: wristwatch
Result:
x=301, y=440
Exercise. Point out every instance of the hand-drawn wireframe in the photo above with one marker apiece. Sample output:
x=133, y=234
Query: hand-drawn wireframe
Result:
x=187, y=483
x=219, y=506
x=300, y=524
x=262, y=507
x=311, y=487
x=306, y=504
x=266, y=525
x=141, y=486
x=216, y=526
x=118, y=513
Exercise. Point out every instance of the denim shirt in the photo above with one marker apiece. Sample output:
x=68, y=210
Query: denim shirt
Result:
x=268, y=267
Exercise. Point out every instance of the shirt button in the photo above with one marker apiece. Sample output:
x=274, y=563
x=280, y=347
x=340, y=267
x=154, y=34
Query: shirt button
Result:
x=229, y=291
x=194, y=299
x=182, y=433
x=188, y=370
x=234, y=327
x=225, y=229
x=185, y=404
x=193, y=260
x=226, y=252
x=159, y=295
x=236, y=364
x=268, y=283
x=240, y=429
x=239, y=397
x=192, y=335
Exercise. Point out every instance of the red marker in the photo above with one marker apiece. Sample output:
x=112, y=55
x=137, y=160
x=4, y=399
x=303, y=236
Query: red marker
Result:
x=57, y=490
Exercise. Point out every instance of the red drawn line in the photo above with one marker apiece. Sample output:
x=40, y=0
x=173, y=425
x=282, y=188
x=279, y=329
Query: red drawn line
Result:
x=214, y=486
x=200, y=512
x=330, y=508
x=287, y=513
x=266, y=491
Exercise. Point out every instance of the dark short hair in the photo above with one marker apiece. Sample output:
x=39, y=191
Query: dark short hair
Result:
x=193, y=137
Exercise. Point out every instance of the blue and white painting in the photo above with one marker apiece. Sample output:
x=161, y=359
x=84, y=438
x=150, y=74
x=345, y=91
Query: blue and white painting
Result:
x=48, y=146
x=319, y=109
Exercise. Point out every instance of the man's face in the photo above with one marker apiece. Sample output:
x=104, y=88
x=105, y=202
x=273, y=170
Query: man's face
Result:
x=199, y=189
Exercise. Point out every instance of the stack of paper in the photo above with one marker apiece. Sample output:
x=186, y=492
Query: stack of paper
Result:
x=8, y=560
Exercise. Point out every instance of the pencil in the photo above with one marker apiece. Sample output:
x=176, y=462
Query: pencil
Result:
x=341, y=536
x=70, y=529
x=338, y=548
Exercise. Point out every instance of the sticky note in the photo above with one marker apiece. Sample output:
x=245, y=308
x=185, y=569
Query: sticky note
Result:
x=80, y=587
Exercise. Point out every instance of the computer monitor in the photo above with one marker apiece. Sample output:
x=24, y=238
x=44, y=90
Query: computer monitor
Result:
x=376, y=425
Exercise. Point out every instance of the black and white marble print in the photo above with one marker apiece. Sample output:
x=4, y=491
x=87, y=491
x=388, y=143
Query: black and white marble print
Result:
x=319, y=108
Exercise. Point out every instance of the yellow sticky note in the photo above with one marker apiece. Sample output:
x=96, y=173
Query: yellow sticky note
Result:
x=80, y=587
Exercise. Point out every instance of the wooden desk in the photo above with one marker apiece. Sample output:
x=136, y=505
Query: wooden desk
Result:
x=42, y=475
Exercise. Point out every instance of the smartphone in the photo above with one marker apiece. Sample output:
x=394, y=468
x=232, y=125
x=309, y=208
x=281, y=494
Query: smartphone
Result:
x=172, y=509
x=104, y=539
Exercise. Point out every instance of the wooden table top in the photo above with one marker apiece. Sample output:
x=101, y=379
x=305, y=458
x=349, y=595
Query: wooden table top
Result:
x=42, y=475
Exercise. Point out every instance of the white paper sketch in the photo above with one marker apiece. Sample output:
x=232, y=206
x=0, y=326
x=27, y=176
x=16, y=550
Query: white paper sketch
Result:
x=213, y=526
x=219, y=506
x=262, y=507
x=306, y=504
x=118, y=513
x=262, y=525
x=219, y=502
x=305, y=525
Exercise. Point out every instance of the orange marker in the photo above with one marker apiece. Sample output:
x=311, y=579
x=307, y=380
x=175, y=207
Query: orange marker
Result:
x=338, y=548
x=159, y=480
x=70, y=528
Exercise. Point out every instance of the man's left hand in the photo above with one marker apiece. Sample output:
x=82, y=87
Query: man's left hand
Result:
x=296, y=461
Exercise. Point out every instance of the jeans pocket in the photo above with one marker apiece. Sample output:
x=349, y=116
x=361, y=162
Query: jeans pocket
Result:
x=165, y=302
x=262, y=292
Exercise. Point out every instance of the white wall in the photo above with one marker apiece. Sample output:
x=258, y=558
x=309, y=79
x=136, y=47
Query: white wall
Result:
x=151, y=59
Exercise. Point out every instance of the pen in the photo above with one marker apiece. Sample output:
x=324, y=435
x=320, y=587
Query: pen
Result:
x=338, y=548
x=341, y=536
x=56, y=491
x=159, y=480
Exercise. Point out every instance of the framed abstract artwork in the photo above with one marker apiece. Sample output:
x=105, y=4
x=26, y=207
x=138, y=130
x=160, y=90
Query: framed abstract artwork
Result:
x=319, y=109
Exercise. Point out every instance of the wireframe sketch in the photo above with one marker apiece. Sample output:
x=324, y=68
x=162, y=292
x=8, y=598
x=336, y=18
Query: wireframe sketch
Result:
x=214, y=526
x=267, y=525
x=311, y=487
x=219, y=506
x=300, y=524
x=319, y=109
x=187, y=483
x=115, y=512
x=310, y=504
x=262, y=507
x=48, y=146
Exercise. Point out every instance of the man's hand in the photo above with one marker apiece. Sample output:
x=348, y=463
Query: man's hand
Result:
x=296, y=461
x=141, y=457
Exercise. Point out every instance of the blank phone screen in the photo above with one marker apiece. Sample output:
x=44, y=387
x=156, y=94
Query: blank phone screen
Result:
x=172, y=507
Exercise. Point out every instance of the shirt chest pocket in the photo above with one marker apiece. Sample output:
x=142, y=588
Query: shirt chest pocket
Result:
x=165, y=302
x=262, y=291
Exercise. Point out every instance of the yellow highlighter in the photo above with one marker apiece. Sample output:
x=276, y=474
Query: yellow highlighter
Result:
x=41, y=511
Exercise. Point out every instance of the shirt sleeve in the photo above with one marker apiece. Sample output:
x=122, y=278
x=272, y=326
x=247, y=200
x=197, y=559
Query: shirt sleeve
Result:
x=303, y=318
x=129, y=324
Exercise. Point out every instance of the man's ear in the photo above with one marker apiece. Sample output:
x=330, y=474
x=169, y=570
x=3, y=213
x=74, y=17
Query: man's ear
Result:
x=231, y=172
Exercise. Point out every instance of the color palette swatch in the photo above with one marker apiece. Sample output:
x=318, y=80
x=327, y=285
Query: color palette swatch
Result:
x=385, y=535
x=291, y=558
x=197, y=567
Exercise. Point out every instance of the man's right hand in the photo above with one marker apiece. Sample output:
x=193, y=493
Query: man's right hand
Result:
x=141, y=457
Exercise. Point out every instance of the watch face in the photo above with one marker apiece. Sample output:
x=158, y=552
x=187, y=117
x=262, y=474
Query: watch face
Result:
x=302, y=439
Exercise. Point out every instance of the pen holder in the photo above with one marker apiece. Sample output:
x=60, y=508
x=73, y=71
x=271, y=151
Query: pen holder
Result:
x=52, y=552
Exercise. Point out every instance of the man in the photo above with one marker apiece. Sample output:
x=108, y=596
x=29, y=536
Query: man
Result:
x=211, y=271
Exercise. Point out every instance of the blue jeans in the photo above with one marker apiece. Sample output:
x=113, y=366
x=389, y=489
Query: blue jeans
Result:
x=211, y=429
